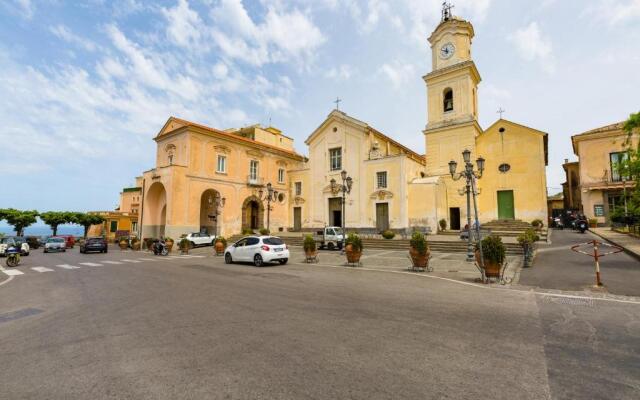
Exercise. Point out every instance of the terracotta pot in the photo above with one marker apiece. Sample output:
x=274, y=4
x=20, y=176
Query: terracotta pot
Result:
x=219, y=246
x=135, y=246
x=491, y=270
x=353, y=256
x=310, y=253
x=123, y=244
x=169, y=244
x=184, y=249
x=419, y=260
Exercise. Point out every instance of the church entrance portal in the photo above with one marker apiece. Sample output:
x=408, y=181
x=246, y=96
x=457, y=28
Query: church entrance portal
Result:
x=454, y=218
x=335, y=211
x=252, y=213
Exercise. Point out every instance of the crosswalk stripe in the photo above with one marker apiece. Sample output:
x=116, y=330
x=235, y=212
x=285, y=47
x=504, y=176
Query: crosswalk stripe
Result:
x=147, y=259
x=42, y=269
x=90, y=264
x=12, y=272
x=112, y=262
x=67, y=266
x=130, y=261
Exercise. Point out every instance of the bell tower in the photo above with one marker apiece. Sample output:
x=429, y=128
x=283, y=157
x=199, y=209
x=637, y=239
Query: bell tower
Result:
x=452, y=93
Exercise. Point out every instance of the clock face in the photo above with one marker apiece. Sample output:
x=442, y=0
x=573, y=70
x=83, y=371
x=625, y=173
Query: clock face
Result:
x=447, y=50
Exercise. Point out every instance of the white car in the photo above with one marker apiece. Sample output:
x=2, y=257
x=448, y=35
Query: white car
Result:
x=5, y=242
x=258, y=250
x=201, y=239
x=55, y=244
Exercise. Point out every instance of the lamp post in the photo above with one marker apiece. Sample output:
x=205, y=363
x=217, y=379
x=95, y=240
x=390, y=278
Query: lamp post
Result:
x=347, y=183
x=268, y=196
x=219, y=203
x=470, y=189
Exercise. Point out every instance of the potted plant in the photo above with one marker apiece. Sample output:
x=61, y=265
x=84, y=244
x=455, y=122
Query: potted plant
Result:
x=419, y=251
x=443, y=224
x=494, y=252
x=184, y=245
x=135, y=244
x=388, y=234
x=220, y=245
x=168, y=242
x=310, y=248
x=353, y=248
x=593, y=223
x=148, y=243
x=247, y=231
x=537, y=223
x=527, y=239
x=264, y=231
x=123, y=243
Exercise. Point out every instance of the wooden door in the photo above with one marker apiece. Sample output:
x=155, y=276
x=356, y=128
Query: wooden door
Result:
x=297, y=218
x=506, y=209
x=382, y=217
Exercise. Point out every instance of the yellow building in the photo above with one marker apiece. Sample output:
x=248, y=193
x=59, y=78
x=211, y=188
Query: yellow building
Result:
x=571, y=187
x=116, y=224
x=601, y=187
x=394, y=187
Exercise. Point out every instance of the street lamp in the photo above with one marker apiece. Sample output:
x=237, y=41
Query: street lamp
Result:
x=219, y=203
x=470, y=189
x=268, y=196
x=347, y=183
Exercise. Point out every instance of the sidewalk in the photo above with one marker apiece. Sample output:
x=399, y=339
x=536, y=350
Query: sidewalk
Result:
x=630, y=244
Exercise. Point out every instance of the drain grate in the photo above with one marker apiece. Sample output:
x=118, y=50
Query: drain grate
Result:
x=25, y=312
x=570, y=301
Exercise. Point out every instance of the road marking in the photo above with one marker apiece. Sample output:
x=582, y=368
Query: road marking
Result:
x=42, y=269
x=112, y=262
x=12, y=272
x=89, y=264
x=67, y=266
x=130, y=261
x=146, y=259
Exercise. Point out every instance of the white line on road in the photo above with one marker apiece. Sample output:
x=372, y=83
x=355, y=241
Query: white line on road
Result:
x=112, y=262
x=147, y=259
x=67, y=266
x=90, y=264
x=12, y=272
x=42, y=269
x=130, y=261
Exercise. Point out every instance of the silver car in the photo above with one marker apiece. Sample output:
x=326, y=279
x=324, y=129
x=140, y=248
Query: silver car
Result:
x=55, y=244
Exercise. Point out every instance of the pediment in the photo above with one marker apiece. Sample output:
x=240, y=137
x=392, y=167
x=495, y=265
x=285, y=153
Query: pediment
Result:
x=297, y=200
x=255, y=153
x=222, y=149
x=381, y=194
x=171, y=125
x=335, y=190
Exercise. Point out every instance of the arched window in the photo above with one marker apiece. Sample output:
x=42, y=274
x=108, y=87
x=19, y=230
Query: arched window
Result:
x=448, y=100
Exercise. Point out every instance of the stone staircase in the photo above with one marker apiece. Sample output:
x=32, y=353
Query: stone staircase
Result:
x=512, y=228
x=438, y=246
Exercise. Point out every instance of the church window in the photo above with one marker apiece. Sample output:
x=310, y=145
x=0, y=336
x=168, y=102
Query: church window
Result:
x=280, y=175
x=222, y=164
x=298, y=186
x=381, y=180
x=335, y=159
x=253, y=170
x=170, y=158
x=448, y=100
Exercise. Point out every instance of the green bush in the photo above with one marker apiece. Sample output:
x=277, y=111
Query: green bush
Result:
x=536, y=223
x=529, y=236
x=419, y=243
x=247, y=231
x=223, y=240
x=593, y=222
x=309, y=244
x=443, y=224
x=264, y=231
x=493, y=250
x=355, y=241
x=184, y=243
x=388, y=234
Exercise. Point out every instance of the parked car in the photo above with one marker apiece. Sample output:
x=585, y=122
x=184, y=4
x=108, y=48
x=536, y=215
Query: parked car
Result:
x=33, y=241
x=8, y=241
x=97, y=244
x=258, y=250
x=201, y=239
x=330, y=237
x=55, y=244
x=69, y=240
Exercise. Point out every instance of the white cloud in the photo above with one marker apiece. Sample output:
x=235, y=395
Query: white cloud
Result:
x=399, y=73
x=532, y=45
x=67, y=35
x=342, y=72
x=614, y=12
x=184, y=25
x=24, y=8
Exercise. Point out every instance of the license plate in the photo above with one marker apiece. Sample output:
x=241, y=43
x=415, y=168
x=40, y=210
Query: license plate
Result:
x=278, y=249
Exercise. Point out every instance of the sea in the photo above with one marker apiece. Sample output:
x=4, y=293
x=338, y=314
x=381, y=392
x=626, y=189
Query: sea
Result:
x=44, y=230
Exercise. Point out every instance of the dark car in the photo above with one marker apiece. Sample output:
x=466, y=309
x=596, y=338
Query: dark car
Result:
x=94, y=245
x=33, y=241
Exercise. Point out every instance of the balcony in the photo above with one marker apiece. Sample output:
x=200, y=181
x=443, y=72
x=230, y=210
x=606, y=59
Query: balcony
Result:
x=253, y=180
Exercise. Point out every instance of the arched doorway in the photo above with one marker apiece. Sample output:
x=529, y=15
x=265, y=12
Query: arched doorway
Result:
x=252, y=213
x=210, y=211
x=155, y=211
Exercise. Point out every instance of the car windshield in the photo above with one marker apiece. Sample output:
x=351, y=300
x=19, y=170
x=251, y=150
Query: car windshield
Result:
x=94, y=240
x=55, y=240
x=273, y=241
x=7, y=241
x=338, y=231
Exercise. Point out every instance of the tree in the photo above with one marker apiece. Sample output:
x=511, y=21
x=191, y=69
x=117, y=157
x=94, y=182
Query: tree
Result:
x=630, y=167
x=86, y=220
x=55, y=218
x=19, y=219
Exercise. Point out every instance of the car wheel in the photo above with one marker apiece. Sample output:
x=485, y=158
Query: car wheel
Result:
x=64, y=250
x=283, y=261
x=191, y=245
x=228, y=259
x=257, y=260
x=26, y=254
x=330, y=246
x=44, y=251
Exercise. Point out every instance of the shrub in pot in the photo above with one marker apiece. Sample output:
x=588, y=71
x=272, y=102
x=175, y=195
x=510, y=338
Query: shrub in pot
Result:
x=264, y=231
x=593, y=222
x=388, y=234
x=493, y=252
x=148, y=242
x=184, y=245
x=220, y=245
x=123, y=243
x=537, y=223
x=135, y=244
x=309, y=246
x=169, y=243
x=353, y=248
x=247, y=231
x=443, y=224
x=419, y=250
x=526, y=239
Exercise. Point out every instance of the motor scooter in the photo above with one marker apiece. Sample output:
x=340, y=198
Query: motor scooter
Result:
x=582, y=226
x=160, y=248
x=13, y=256
x=557, y=221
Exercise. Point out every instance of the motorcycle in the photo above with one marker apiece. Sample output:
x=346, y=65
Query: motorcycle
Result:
x=557, y=221
x=13, y=256
x=582, y=226
x=160, y=248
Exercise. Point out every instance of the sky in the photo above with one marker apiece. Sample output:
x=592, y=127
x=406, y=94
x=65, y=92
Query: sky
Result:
x=86, y=85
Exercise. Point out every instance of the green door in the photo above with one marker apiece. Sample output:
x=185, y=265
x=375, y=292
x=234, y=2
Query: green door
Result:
x=505, y=204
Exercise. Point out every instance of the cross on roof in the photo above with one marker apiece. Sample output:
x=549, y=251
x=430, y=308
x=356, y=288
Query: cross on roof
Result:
x=500, y=111
x=337, y=101
x=446, y=11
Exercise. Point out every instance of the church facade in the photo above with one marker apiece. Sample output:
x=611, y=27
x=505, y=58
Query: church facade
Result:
x=213, y=180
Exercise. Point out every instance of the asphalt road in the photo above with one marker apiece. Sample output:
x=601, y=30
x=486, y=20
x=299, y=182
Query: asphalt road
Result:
x=557, y=267
x=194, y=328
